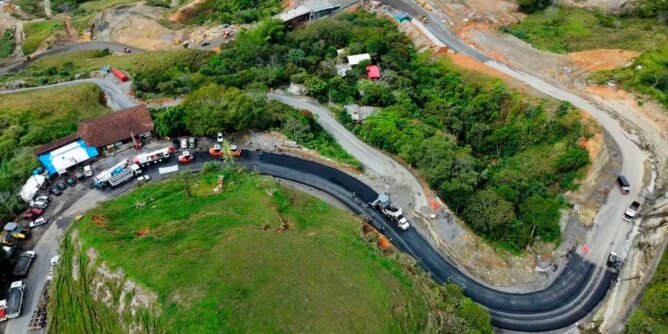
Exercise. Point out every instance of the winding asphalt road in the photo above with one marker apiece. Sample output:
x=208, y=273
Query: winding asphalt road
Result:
x=577, y=291
x=582, y=284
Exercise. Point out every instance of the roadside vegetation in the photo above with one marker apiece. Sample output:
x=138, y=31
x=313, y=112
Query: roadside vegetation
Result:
x=497, y=158
x=37, y=32
x=213, y=108
x=232, y=11
x=32, y=7
x=7, y=43
x=254, y=258
x=33, y=118
x=155, y=71
x=643, y=28
x=651, y=316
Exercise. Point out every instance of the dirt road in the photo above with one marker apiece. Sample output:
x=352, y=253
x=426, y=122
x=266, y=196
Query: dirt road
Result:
x=117, y=98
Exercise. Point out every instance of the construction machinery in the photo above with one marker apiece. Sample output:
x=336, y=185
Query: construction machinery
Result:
x=216, y=150
x=186, y=157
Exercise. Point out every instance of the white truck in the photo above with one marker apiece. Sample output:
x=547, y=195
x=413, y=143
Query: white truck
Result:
x=102, y=178
x=153, y=157
x=15, y=299
x=391, y=211
x=397, y=215
x=125, y=175
x=631, y=211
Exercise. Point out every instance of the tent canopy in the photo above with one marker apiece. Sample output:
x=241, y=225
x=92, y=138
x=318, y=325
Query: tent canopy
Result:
x=31, y=187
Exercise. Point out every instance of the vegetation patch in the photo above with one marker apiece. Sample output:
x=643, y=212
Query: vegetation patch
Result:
x=648, y=75
x=567, y=29
x=229, y=11
x=643, y=28
x=254, y=258
x=466, y=134
x=7, y=43
x=651, y=316
x=32, y=7
x=33, y=118
x=37, y=32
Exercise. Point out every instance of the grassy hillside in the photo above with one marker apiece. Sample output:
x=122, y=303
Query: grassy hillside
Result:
x=568, y=29
x=37, y=117
x=256, y=258
x=651, y=316
x=37, y=32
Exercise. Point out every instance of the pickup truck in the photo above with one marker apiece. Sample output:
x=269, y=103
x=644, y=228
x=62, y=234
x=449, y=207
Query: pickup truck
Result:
x=631, y=211
x=23, y=264
x=15, y=299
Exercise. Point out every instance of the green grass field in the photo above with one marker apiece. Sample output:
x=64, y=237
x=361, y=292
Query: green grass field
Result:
x=567, y=29
x=256, y=258
x=37, y=32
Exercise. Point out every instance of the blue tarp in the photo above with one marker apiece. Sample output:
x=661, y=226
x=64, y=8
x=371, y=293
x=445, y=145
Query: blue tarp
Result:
x=68, y=155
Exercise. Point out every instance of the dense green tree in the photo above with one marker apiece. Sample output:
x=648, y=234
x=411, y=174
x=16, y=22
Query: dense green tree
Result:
x=530, y=6
x=169, y=122
x=489, y=213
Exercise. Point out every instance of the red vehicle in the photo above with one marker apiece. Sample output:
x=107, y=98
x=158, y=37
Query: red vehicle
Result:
x=186, y=157
x=32, y=213
x=216, y=151
x=120, y=74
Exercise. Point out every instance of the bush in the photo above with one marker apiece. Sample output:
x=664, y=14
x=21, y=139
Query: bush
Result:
x=7, y=43
x=530, y=6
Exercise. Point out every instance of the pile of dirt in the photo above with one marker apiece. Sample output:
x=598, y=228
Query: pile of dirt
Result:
x=602, y=59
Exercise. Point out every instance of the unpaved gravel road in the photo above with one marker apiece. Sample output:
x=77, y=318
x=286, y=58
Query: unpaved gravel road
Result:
x=375, y=162
x=117, y=99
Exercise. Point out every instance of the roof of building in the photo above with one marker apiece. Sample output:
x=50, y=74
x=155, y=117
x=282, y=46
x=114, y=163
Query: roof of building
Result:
x=56, y=144
x=115, y=127
x=372, y=72
x=356, y=59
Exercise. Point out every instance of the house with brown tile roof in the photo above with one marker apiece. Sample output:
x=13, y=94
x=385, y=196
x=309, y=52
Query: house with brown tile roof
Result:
x=116, y=127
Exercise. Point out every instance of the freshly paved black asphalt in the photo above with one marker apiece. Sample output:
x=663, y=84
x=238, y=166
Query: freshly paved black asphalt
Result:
x=575, y=293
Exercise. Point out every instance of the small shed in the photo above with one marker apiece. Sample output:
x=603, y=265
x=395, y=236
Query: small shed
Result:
x=359, y=113
x=342, y=69
x=373, y=72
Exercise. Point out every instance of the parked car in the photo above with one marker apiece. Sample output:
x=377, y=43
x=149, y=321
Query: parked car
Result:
x=32, y=213
x=54, y=260
x=70, y=181
x=219, y=137
x=88, y=171
x=39, y=221
x=39, y=204
x=42, y=198
x=55, y=191
x=61, y=185
x=192, y=142
x=79, y=176
x=184, y=143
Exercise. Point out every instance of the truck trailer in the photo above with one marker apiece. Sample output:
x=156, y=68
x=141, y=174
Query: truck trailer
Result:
x=15, y=299
x=102, y=178
x=153, y=157
x=125, y=175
